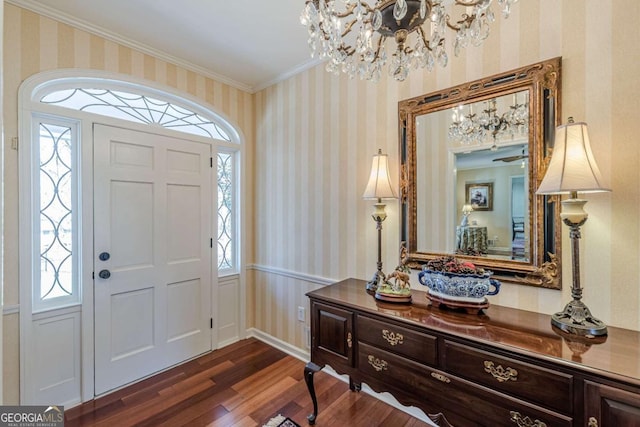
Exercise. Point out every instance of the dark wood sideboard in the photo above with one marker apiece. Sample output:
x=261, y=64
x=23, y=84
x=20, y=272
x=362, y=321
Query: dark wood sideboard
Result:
x=503, y=367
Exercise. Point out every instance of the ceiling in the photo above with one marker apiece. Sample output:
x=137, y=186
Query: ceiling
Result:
x=248, y=44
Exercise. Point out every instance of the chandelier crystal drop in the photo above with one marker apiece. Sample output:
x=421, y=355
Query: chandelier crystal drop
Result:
x=471, y=128
x=352, y=34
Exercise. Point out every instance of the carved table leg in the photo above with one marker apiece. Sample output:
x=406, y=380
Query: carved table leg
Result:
x=310, y=369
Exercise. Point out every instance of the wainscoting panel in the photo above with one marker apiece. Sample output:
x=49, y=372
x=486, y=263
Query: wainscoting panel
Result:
x=279, y=293
x=54, y=376
x=228, y=314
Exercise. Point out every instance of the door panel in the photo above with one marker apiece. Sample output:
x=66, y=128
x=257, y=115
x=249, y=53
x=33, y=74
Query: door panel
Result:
x=153, y=210
x=127, y=337
x=128, y=253
x=184, y=309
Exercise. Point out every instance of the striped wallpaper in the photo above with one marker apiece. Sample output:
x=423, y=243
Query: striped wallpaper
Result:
x=316, y=133
x=310, y=140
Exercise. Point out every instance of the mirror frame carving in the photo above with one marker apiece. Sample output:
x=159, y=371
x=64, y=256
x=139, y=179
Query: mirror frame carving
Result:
x=542, y=80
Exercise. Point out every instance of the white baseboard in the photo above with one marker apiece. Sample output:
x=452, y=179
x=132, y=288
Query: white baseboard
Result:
x=305, y=356
x=279, y=344
x=225, y=343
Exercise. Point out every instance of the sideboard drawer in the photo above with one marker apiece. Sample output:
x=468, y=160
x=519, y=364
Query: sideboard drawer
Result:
x=400, y=340
x=462, y=402
x=533, y=383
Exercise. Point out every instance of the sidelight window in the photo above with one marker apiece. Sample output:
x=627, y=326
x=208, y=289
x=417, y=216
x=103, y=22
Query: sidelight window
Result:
x=55, y=215
x=226, y=212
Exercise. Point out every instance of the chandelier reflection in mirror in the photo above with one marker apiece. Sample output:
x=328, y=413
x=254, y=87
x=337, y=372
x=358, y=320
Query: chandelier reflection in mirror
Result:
x=352, y=34
x=471, y=128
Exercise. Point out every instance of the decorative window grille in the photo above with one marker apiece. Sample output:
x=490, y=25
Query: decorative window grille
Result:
x=56, y=281
x=136, y=108
x=226, y=214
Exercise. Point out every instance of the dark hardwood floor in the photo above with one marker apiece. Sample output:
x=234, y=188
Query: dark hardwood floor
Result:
x=244, y=385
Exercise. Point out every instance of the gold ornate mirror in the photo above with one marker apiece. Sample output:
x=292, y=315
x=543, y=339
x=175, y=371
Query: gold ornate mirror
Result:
x=472, y=157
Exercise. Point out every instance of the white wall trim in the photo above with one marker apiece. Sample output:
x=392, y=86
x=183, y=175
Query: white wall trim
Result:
x=285, y=76
x=291, y=350
x=319, y=280
x=305, y=356
x=10, y=309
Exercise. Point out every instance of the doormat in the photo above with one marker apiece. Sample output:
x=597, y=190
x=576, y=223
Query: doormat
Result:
x=281, y=421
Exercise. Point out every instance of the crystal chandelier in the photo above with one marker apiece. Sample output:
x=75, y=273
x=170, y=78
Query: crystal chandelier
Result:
x=352, y=34
x=475, y=128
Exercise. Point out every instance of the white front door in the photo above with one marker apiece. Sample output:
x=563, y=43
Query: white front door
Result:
x=153, y=214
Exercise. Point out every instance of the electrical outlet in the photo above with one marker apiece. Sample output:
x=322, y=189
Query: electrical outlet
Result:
x=301, y=317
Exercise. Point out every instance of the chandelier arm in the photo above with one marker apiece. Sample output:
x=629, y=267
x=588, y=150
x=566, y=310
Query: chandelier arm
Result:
x=380, y=43
x=467, y=3
x=424, y=38
x=347, y=12
x=347, y=27
x=464, y=18
x=350, y=51
x=326, y=35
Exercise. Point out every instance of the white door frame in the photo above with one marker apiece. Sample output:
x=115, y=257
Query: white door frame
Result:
x=27, y=105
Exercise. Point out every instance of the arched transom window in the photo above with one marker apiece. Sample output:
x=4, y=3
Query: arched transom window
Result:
x=136, y=108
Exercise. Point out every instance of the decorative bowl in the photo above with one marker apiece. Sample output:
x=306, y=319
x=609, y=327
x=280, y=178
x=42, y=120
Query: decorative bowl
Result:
x=471, y=288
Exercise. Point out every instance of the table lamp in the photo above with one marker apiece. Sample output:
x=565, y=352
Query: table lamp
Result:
x=466, y=211
x=379, y=188
x=573, y=170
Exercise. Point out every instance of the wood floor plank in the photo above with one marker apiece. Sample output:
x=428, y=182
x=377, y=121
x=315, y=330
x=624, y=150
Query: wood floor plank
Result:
x=248, y=405
x=134, y=414
x=244, y=385
x=202, y=413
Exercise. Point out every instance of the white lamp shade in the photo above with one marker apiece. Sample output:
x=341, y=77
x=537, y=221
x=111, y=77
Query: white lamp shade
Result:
x=379, y=185
x=572, y=167
x=467, y=208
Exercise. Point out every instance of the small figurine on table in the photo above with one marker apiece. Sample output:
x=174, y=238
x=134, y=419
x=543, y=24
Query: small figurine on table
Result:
x=396, y=286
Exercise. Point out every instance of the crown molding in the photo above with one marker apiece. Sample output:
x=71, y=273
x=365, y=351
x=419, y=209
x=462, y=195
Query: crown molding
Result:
x=96, y=30
x=285, y=76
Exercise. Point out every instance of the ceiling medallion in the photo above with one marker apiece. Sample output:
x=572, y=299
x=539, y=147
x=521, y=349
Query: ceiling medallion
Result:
x=352, y=34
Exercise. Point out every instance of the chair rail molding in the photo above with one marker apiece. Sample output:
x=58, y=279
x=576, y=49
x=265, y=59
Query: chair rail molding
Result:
x=292, y=274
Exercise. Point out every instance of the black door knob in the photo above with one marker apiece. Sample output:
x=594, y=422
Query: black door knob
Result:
x=104, y=256
x=104, y=274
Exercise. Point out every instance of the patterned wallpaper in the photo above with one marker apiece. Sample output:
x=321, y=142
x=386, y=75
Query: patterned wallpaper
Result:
x=316, y=133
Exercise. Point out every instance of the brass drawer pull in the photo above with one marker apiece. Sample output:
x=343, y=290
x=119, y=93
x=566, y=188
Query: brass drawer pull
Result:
x=521, y=421
x=499, y=373
x=392, y=338
x=592, y=422
x=378, y=364
x=349, y=340
x=440, y=377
